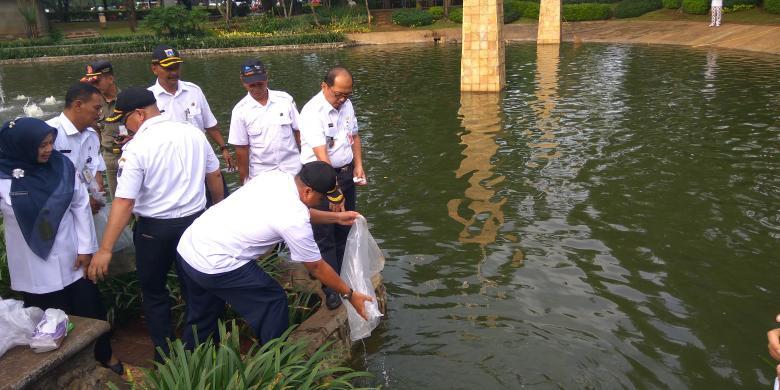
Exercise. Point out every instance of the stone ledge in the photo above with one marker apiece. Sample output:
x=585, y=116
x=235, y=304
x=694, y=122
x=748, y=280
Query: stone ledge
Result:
x=73, y=361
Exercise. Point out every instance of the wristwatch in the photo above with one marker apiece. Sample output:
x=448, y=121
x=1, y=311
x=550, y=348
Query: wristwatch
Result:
x=348, y=296
x=223, y=148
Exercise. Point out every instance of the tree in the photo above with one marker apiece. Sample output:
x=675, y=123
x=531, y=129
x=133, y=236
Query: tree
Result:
x=131, y=20
x=29, y=11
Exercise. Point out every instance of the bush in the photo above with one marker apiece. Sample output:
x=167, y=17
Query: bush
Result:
x=176, y=21
x=274, y=24
x=278, y=364
x=772, y=6
x=437, y=12
x=589, y=1
x=511, y=13
x=696, y=7
x=671, y=4
x=737, y=8
x=412, y=17
x=634, y=8
x=146, y=45
x=586, y=11
x=456, y=15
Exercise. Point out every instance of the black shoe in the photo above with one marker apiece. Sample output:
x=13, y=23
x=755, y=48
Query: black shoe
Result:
x=117, y=368
x=332, y=300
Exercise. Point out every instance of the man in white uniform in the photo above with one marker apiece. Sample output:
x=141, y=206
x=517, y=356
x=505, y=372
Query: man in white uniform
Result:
x=218, y=252
x=80, y=142
x=329, y=133
x=264, y=126
x=183, y=101
x=160, y=180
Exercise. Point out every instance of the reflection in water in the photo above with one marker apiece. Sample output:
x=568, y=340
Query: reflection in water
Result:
x=710, y=74
x=481, y=116
x=544, y=145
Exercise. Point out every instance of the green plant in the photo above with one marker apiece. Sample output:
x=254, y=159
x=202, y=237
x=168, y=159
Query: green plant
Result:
x=671, y=4
x=527, y=9
x=634, y=8
x=273, y=25
x=772, y=6
x=696, y=7
x=511, y=12
x=737, y=8
x=176, y=21
x=586, y=11
x=437, y=12
x=456, y=15
x=412, y=17
x=56, y=35
x=278, y=364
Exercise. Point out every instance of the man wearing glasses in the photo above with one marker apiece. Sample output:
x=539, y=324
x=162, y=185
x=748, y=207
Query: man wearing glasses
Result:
x=183, y=101
x=329, y=133
x=159, y=180
x=264, y=126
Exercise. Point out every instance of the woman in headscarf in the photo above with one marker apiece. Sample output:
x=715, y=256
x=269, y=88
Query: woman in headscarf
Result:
x=49, y=231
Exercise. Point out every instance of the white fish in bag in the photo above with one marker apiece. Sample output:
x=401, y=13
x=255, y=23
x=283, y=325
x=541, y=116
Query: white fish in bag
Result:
x=362, y=260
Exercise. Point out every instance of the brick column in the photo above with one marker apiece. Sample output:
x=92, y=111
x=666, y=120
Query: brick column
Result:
x=482, y=64
x=549, y=22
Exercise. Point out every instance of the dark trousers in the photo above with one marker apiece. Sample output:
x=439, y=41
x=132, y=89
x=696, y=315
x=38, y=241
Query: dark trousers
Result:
x=332, y=238
x=155, y=250
x=80, y=298
x=208, y=193
x=257, y=297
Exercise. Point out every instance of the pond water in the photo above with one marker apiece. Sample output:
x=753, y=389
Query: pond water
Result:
x=611, y=220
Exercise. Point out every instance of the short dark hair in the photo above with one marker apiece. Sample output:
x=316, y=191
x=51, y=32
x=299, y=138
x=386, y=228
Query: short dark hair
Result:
x=330, y=77
x=79, y=91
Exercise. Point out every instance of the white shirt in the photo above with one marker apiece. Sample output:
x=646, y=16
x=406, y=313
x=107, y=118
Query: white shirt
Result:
x=319, y=120
x=76, y=234
x=187, y=105
x=81, y=147
x=247, y=224
x=163, y=169
x=268, y=130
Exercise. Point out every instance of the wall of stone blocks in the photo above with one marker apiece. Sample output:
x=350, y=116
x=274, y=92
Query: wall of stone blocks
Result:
x=483, y=60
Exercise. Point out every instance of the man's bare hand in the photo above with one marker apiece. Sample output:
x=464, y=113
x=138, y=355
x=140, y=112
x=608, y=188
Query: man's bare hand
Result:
x=347, y=218
x=98, y=268
x=228, y=160
x=358, y=301
x=95, y=205
x=336, y=207
x=82, y=261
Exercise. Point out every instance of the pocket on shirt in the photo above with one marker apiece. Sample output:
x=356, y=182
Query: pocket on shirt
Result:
x=257, y=135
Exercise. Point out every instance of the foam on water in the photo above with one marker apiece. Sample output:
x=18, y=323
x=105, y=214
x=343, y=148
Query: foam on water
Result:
x=32, y=110
x=21, y=97
x=49, y=101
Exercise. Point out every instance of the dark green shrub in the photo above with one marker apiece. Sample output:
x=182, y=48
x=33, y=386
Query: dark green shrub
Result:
x=696, y=7
x=530, y=9
x=671, y=4
x=412, y=17
x=634, y=8
x=589, y=1
x=456, y=15
x=586, y=11
x=176, y=21
x=772, y=6
x=511, y=12
x=437, y=12
x=273, y=24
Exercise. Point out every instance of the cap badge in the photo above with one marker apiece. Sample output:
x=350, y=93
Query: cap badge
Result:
x=18, y=173
x=169, y=52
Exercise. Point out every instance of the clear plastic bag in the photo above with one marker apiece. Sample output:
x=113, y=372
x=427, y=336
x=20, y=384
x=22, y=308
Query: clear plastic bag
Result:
x=125, y=239
x=362, y=260
x=17, y=324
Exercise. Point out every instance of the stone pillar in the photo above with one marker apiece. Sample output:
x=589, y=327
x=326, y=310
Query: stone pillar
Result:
x=549, y=22
x=482, y=66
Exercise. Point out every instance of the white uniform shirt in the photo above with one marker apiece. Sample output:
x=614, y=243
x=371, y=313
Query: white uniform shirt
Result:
x=320, y=123
x=247, y=224
x=187, y=105
x=163, y=169
x=81, y=147
x=268, y=130
x=76, y=234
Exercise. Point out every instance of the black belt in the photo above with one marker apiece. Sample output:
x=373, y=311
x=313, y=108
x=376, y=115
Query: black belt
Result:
x=345, y=168
x=170, y=221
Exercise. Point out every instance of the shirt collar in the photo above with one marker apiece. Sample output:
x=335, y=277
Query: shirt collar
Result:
x=67, y=125
x=273, y=97
x=159, y=90
x=150, y=122
x=324, y=104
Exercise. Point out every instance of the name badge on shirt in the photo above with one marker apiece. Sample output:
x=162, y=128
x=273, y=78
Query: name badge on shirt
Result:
x=86, y=175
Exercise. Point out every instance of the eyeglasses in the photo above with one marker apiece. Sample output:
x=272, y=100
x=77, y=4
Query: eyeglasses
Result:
x=340, y=95
x=123, y=121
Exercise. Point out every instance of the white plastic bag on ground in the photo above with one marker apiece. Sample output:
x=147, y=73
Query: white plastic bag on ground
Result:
x=17, y=324
x=50, y=332
x=362, y=260
x=125, y=239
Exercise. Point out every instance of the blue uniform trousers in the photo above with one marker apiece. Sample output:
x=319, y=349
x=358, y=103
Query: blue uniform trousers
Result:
x=257, y=297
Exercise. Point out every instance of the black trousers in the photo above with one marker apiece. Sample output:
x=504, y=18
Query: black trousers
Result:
x=332, y=238
x=155, y=251
x=249, y=290
x=80, y=298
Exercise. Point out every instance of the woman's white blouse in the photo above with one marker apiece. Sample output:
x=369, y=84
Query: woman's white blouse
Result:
x=76, y=234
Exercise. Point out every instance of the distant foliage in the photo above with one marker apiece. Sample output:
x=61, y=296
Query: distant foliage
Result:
x=634, y=8
x=671, y=4
x=772, y=6
x=696, y=7
x=737, y=8
x=176, y=21
x=586, y=11
x=437, y=12
x=456, y=15
x=412, y=17
x=511, y=13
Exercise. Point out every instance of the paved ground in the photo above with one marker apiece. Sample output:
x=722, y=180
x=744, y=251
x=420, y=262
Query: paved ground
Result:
x=765, y=39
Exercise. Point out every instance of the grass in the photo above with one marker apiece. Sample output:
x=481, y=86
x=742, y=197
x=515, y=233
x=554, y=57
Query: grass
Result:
x=755, y=16
x=113, y=28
